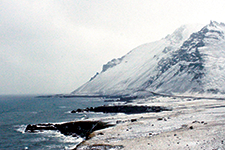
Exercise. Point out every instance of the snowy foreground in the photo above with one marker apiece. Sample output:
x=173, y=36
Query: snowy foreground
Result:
x=192, y=124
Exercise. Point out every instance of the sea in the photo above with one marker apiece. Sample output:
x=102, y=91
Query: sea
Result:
x=18, y=111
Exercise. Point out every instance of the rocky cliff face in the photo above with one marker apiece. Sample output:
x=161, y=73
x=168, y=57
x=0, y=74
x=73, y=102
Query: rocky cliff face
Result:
x=192, y=59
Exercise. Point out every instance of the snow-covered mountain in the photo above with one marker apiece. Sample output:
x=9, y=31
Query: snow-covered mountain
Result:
x=191, y=59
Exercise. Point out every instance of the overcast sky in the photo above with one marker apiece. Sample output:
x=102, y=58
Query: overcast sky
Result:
x=55, y=46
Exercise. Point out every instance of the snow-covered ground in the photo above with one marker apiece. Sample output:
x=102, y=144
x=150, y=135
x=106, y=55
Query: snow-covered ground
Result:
x=192, y=124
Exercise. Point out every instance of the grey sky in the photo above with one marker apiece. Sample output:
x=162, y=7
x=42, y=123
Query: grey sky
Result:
x=54, y=46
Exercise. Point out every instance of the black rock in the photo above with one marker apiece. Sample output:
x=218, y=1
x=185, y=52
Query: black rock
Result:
x=127, y=109
x=73, y=111
x=81, y=128
x=160, y=119
x=133, y=120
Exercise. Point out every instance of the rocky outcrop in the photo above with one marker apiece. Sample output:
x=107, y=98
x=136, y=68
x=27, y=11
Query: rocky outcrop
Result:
x=78, y=128
x=127, y=109
x=111, y=64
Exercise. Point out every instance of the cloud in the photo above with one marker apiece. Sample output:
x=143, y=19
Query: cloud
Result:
x=52, y=46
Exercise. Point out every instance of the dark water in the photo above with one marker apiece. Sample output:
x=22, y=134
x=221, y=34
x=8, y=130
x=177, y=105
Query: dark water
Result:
x=18, y=111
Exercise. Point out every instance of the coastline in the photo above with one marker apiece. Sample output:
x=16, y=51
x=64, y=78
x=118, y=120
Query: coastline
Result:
x=193, y=124
x=81, y=96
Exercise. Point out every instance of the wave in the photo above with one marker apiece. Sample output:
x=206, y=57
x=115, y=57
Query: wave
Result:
x=33, y=112
x=20, y=128
x=62, y=107
x=69, y=142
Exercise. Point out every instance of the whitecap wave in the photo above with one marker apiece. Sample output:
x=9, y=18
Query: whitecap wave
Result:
x=67, y=112
x=62, y=107
x=20, y=128
x=40, y=139
x=61, y=137
x=33, y=112
x=69, y=141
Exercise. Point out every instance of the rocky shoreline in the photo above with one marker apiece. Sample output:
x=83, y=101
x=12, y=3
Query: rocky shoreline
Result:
x=85, y=128
x=127, y=109
x=77, y=128
x=192, y=124
x=149, y=123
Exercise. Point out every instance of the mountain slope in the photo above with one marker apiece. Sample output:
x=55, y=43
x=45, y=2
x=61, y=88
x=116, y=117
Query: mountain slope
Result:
x=189, y=60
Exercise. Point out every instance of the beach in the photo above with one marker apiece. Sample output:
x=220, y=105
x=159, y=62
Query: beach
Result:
x=192, y=124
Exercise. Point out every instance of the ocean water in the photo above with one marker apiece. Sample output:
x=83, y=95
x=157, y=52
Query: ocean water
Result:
x=18, y=111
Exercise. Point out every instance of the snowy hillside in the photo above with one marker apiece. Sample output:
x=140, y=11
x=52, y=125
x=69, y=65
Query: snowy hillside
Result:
x=191, y=59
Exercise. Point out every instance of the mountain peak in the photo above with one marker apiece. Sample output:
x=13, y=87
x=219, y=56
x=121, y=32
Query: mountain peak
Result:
x=183, y=32
x=213, y=32
x=215, y=24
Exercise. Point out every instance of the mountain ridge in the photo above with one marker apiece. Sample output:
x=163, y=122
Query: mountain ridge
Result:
x=177, y=63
